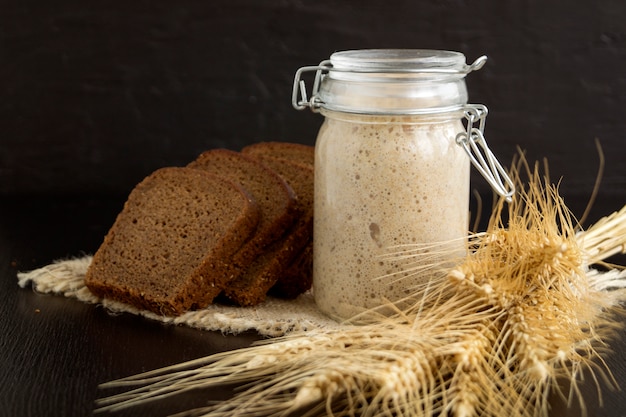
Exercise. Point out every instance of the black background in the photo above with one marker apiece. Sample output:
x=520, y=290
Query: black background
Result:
x=95, y=95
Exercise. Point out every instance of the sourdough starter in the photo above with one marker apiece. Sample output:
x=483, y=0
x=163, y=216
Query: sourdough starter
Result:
x=381, y=182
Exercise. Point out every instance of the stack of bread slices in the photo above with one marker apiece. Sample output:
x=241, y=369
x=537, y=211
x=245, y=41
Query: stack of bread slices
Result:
x=230, y=226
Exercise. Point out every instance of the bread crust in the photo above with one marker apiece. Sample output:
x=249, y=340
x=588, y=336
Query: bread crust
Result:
x=275, y=198
x=170, y=248
x=272, y=266
x=283, y=150
x=237, y=223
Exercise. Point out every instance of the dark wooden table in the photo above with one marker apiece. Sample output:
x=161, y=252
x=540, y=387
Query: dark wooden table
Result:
x=55, y=351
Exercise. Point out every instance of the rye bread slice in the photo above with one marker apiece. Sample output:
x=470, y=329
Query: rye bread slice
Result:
x=269, y=268
x=298, y=277
x=170, y=248
x=276, y=200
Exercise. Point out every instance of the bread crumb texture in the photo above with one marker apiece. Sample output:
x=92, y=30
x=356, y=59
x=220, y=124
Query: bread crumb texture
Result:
x=169, y=249
x=237, y=223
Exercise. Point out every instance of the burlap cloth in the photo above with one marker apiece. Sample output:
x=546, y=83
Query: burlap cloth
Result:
x=274, y=317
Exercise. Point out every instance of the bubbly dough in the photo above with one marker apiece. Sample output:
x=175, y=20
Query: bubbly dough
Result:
x=381, y=182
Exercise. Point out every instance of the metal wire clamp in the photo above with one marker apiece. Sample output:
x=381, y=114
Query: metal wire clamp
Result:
x=474, y=143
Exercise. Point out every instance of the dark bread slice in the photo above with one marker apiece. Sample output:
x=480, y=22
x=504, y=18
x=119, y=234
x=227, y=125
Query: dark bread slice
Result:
x=284, y=150
x=276, y=199
x=298, y=277
x=170, y=247
x=271, y=266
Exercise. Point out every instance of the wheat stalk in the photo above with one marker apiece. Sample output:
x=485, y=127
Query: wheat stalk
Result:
x=491, y=336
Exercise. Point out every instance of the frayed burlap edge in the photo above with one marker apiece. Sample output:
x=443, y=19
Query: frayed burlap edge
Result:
x=274, y=317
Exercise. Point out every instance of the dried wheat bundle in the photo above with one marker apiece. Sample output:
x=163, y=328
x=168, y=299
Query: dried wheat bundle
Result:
x=491, y=336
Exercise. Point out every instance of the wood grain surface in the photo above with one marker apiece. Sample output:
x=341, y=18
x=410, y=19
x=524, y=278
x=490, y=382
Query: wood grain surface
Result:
x=54, y=351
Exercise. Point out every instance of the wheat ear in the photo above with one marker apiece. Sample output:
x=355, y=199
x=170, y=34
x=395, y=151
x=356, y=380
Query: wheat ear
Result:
x=492, y=335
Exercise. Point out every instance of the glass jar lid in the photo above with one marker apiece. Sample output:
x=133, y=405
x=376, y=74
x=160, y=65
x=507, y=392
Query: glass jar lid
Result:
x=389, y=81
x=398, y=63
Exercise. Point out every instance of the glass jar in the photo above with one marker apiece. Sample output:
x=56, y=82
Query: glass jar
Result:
x=392, y=170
